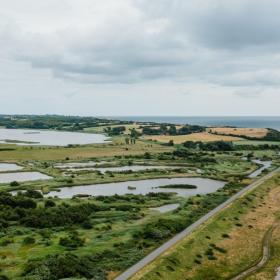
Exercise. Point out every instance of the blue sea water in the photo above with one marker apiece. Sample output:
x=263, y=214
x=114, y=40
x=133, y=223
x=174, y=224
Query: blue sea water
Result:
x=252, y=121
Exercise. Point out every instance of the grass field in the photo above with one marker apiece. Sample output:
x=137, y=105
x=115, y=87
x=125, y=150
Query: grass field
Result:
x=117, y=148
x=257, y=142
x=202, y=136
x=227, y=244
x=249, y=132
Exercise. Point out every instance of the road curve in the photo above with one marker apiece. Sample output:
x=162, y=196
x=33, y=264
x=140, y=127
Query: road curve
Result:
x=157, y=252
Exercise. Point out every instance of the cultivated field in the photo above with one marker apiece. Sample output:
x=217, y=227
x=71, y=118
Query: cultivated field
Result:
x=202, y=136
x=249, y=132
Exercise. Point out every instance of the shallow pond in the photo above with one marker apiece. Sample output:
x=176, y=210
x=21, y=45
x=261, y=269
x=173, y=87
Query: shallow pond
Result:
x=48, y=137
x=204, y=186
x=265, y=165
x=166, y=208
x=22, y=177
x=9, y=167
x=124, y=168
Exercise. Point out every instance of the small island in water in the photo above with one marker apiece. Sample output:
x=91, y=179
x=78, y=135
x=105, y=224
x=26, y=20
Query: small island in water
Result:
x=178, y=186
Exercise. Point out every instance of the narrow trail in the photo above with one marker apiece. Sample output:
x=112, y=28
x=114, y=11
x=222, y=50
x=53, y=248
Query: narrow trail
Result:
x=266, y=247
x=265, y=255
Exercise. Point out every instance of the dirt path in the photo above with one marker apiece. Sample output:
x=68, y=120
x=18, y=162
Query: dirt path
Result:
x=265, y=255
x=266, y=247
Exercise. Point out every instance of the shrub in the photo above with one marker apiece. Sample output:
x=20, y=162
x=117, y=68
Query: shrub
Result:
x=87, y=224
x=55, y=267
x=28, y=240
x=49, y=203
x=72, y=241
x=33, y=194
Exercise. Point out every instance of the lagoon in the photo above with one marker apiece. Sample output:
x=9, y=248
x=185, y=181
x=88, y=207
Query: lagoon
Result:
x=9, y=167
x=22, y=177
x=27, y=137
x=143, y=187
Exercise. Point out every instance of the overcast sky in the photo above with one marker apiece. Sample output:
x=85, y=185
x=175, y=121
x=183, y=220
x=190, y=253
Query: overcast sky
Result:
x=140, y=57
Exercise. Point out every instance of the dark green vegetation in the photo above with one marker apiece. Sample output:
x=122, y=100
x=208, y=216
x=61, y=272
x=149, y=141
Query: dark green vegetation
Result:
x=167, y=129
x=98, y=237
x=54, y=122
x=178, y=186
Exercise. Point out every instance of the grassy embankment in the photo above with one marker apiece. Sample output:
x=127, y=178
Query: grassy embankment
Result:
x=228, y=243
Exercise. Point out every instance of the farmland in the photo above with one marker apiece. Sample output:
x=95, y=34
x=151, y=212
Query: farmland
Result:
x=249, y=132
x=203, y=137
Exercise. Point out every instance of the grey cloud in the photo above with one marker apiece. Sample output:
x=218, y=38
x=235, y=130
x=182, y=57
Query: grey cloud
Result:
x=239, y=24
x=221, y=42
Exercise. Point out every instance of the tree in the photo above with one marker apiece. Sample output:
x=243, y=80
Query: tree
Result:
x=172, y=130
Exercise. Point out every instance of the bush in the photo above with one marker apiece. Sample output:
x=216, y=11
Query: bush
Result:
x=87, y=224
x=6, y=241
x=55, y=267
x=33, y=194
x=72, y=241
x=28, y=240
x=14, y=184
x=49, y=203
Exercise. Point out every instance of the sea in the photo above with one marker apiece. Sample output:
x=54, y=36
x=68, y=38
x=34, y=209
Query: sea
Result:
x=240, y=121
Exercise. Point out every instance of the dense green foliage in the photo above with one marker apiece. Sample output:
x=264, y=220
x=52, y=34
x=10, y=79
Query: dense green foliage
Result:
x=115, y=130
x=63, y=266
x=172, y=130
x=73, y=123
x=210, y=146
x=178, y=186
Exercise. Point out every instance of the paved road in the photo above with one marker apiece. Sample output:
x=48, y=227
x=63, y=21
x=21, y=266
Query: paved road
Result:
x=153, y=255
